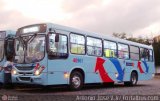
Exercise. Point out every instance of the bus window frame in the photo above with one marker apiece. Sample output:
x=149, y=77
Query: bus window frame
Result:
x=85, y=43
x=48, y=46
x=116, y=55
x=134, y=53
x=89, y=45
x=123, y=51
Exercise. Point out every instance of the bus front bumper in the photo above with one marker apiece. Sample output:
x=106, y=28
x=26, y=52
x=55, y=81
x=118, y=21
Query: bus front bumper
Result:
x=40, y=80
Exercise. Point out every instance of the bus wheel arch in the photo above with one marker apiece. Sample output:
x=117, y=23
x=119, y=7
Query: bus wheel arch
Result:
x=135, y=73
x=133, y=79
x=76, y=80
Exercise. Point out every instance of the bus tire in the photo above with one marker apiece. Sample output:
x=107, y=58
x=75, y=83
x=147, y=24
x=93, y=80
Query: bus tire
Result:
x=133, y=80
x=76, y=81
x=1, y=85
x=9, y=86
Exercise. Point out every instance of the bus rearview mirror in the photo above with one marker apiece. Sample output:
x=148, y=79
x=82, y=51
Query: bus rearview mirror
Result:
x=57, y=37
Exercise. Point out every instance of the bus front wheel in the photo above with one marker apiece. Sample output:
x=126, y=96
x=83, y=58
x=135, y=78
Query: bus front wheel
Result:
x=1, y=85
x=133, y=80
x=76, y=80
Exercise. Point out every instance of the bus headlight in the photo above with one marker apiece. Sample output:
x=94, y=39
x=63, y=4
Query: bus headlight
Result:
x=38, y=69
x=14, y=72
x=37, y=72
x=153, y=74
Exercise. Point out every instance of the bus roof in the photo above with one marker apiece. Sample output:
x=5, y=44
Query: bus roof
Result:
x=87, y=33
x=107, y=37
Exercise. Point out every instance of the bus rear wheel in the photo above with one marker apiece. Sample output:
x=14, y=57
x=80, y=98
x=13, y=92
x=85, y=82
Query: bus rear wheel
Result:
x=76, y=81
x=133, y=80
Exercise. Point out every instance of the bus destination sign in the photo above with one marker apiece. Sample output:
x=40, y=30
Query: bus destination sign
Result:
x=37, y=28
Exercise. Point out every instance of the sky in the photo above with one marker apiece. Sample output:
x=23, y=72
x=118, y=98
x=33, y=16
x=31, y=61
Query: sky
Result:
x=134, y=17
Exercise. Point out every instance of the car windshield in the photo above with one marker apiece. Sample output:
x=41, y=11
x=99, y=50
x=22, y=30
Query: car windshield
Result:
x=30, y=50
x=1, y=49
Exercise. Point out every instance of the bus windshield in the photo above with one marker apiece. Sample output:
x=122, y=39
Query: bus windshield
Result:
x=31, y=50
x=1, y=49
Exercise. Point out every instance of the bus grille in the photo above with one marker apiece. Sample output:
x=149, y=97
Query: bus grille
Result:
x=25, y=78
x=26, y=73
x=25, y=67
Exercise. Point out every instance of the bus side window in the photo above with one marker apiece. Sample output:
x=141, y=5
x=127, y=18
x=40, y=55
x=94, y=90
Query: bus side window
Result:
x=58, y=49
x=77, y=43
x=110, y=49
x=144, y=53
x=94, y=46
x=134, y=52
x=123, y=51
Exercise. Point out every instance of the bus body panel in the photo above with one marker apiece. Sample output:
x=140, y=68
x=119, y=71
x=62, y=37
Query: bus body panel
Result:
x=88, y=65
x=149, y=70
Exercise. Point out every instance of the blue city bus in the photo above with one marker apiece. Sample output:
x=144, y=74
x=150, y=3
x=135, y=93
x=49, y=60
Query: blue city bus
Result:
x=50, y=54
x=6, y=49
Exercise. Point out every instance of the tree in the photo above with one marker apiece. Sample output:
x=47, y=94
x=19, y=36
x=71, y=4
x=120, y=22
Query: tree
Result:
x=139, y=39
x=120, y=35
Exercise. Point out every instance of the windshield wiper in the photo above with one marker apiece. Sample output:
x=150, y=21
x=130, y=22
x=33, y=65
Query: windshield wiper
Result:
x=32, y=37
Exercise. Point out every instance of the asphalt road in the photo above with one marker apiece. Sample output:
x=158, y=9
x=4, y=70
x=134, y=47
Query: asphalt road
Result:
x=151, y=87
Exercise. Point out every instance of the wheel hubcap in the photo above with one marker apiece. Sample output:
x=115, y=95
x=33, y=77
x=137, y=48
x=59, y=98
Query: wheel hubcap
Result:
x=134, y=79
x=76, y=81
